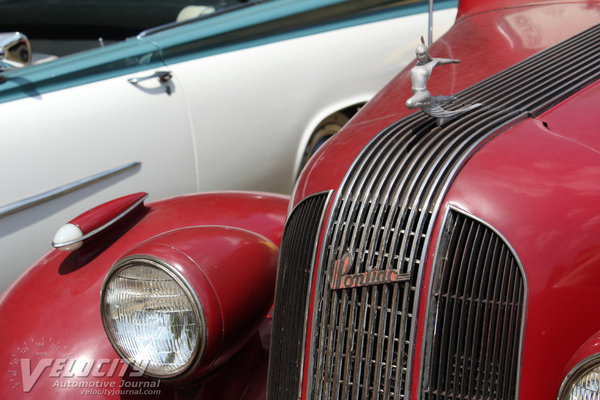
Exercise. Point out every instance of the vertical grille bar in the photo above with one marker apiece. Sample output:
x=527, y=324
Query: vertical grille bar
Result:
x=474, y=326
x=294, y=275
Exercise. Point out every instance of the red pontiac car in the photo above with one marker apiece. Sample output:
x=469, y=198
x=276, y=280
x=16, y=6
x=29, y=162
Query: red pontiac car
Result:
x=446, y=256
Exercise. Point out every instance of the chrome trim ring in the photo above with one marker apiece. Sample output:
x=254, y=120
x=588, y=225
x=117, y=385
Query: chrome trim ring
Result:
x=155, y=262
x=576, y=373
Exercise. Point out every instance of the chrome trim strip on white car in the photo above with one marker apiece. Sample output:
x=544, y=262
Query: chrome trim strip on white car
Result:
x=32, y=201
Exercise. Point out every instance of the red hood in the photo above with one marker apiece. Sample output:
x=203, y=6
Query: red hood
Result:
x=485, y=43
x=468, y=8
x=537, y=184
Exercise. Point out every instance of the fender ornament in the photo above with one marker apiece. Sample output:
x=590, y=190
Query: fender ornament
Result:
x=342, y=280
x=421, y=98
x=71, y=235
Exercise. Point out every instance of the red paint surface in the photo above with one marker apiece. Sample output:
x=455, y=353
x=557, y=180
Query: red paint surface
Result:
x=540, y=191
x=468, y=8
x=590, y=348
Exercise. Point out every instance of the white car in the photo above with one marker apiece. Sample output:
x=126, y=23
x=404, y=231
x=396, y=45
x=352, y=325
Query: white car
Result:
x=228, y=100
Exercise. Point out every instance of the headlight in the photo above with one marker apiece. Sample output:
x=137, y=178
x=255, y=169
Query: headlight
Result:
x=152, y=317
x=181, y=304
x=583, y=382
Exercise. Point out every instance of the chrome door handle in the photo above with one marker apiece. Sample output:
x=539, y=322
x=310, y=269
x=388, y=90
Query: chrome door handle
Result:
x=163, y=77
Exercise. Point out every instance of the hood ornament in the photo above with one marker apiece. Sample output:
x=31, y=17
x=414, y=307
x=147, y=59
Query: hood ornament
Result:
x=421, y=98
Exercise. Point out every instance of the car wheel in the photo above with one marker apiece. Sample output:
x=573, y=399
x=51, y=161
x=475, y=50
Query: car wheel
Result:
x=326, y=129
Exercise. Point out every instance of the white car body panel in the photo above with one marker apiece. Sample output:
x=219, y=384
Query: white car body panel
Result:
x=41, y=126
x=264, y=120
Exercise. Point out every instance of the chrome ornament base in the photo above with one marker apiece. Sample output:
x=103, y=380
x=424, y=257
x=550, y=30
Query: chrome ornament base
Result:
x=421, y=98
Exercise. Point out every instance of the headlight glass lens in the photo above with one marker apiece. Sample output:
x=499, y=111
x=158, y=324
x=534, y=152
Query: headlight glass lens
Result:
x=584, y=384
x=152, y=318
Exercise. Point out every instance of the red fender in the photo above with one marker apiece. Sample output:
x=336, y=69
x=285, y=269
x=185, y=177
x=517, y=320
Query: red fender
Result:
x=50, y=316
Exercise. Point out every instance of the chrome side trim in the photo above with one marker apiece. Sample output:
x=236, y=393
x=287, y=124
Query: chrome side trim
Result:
x=103, y=227
x=35, y=200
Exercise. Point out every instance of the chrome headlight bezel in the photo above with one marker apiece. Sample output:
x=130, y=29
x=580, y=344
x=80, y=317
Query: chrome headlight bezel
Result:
x=173, y=273
x=582, y=369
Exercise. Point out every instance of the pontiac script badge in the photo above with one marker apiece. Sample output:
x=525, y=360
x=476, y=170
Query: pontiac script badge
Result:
x=421, y=98
x=342, y=280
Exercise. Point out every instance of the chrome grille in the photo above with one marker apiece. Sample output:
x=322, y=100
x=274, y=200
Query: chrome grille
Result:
x=476, y=311
x=362, y=346
x=362, y=340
